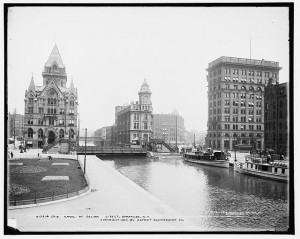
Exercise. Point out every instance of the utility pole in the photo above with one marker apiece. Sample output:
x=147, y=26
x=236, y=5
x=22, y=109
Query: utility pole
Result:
x=176, y=135
x=194, y=140
x=15, y=129
x=78, y=133
x=85, y=152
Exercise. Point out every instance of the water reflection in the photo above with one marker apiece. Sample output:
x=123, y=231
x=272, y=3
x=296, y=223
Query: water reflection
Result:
x=219, y=198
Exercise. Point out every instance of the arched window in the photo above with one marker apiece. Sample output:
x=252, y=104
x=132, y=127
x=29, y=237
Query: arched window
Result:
x=235, y=135
x=243, y=88
x=226, y=135
x=251, y=88
x=251, y=135
x=30, y=133
x=40, y=133
x=54, y=101
x=243, y=135
x=244, y=141
x=71, y=133
x=48, y=101
x=61, y=133
x=258, y=135
x=54, y=67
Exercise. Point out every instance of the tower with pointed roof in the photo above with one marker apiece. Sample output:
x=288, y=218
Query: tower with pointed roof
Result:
x=134, y=121
x=51, y=109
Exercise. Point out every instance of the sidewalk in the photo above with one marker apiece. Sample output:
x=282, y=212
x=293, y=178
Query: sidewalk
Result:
x=115, y=204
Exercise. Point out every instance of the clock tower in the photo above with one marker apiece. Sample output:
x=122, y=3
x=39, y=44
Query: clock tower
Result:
x=145, y=94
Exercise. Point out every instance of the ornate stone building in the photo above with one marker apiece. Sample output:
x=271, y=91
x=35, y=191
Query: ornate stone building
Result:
x=134, y=122
x=236, y=102
x=51, y=109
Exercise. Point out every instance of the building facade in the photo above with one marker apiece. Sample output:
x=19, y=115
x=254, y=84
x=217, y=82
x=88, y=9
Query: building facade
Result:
x=165, y=126
x=236, y=101
x=16, y=126
x=51, y=109
x=105, y=136
x=133, y=123
x=276, y=117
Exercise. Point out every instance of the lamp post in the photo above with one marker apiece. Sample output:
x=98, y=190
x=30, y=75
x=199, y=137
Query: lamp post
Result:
x=85, y=152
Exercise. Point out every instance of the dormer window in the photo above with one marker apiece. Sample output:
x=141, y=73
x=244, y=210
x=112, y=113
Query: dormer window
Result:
x=54, y=67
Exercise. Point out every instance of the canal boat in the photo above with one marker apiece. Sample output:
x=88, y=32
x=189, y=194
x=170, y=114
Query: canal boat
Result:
x=215, y=159
x=264, y=167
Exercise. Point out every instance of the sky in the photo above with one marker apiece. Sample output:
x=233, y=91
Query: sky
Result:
x=109, y=51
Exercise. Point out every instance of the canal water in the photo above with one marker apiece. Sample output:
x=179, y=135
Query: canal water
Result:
x=217, y=199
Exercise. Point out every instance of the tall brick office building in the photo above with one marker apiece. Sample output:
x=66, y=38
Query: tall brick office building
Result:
x=236, y=101
x=276, y=117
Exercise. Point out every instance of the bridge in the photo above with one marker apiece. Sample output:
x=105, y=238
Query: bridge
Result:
x=111, y=151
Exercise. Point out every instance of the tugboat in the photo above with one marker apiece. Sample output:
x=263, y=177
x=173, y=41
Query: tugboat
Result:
x=209, y=158
x=267, y=167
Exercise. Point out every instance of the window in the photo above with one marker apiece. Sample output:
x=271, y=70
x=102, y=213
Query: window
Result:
x=227, y=102
x=251, y=96
x=250, y=119
x=243, y=119
x=227, y=118
x=41, y=121
x=235, y=126
x=40, y=133
x=30, y=133
x=235, y=118
x=243, y=127
x=51, y=121
x=243, y=88
x=30, y=110
x=243, y=96
x=61, y=133
x=235, y=111
x=227, y=126
x=251, y=112
x=227, y=110
x=235, y=103
x=243, y=103
x=258, y=127
x=227, y=86
x=258, y=119
x=41, y=110
x=235, y=87
x=71, y=122
x=243, y=111
x=61, y=122
x=72, y=103
x=145, y=125
x=136, y=126
x=30, y=121
x=71, y=111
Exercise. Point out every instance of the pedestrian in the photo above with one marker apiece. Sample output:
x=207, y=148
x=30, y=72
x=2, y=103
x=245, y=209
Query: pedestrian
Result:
x=38, y=155
x=11, y=155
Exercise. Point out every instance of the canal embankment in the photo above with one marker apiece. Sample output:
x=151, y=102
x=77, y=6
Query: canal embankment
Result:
x=115, y=203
